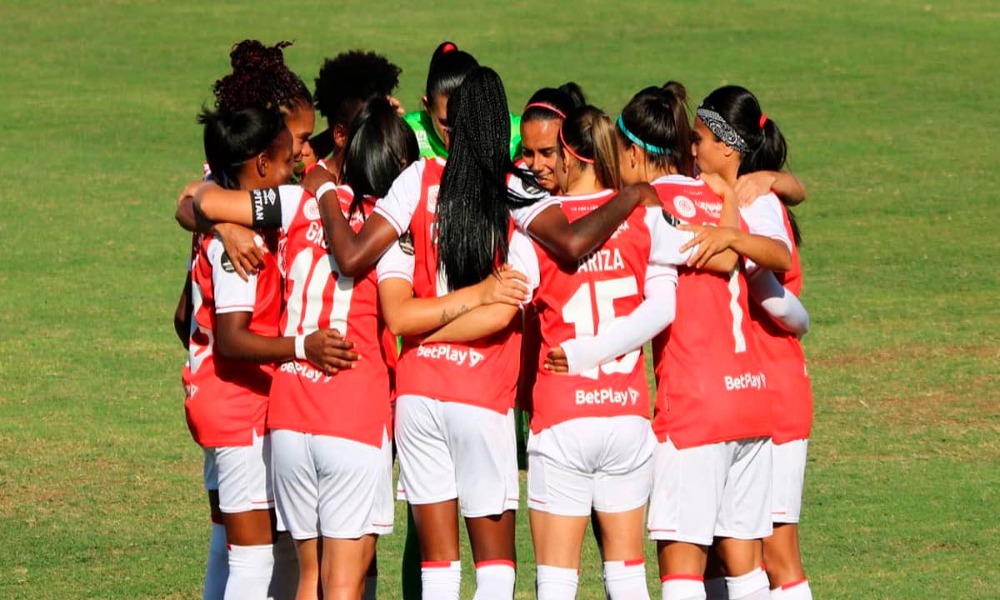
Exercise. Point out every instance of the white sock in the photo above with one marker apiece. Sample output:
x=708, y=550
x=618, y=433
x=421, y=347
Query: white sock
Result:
x=715, y=589
x=751, y=586
x=796, y=590
x=371, y=588
x=285, y=583
x=217, y=569
x=626, y=579
x=441, y=580
x=250, y=571
x=683, y=587
x=556, y=583
x=494, y=580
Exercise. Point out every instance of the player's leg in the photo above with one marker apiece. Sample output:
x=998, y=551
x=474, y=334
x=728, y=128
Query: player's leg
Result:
x=624, y=564
x=715, y=577
x=411, y=559
x=345, y=565
x=492, y=540
x=296, y=501
x=557, y=540
x=309, y=553
x=427, y=481
x=745, y=519
x=217, y=566
x=781, y=550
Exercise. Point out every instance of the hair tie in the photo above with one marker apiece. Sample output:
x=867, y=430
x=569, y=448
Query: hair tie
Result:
x=546, y=106
x=763, y=119
x=651, y=149
x=562, y=139
x=448, y=47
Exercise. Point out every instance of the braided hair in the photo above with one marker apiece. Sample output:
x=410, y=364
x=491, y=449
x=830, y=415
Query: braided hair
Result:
x=260, y=78
x=474, y=202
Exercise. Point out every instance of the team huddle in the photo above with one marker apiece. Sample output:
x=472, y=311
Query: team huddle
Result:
x=414, y=287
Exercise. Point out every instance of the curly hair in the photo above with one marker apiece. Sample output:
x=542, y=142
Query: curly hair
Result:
x=260, y=78
x=351, y=78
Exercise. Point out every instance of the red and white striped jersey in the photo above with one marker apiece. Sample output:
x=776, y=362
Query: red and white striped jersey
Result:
x=226, y=400
x=711, y=386
x=353, y=404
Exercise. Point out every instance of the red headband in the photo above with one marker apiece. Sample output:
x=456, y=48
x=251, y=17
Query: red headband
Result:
x=589, y=161
x=763, y=119
x=546, y=106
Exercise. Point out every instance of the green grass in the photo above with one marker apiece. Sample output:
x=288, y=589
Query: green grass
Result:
x=889, y=108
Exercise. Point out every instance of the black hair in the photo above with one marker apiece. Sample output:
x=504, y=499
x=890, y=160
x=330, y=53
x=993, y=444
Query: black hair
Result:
x=349, y=79
x=474, y=202
x=260, y=78
x=232, y=138
x=740, y=109
x=658, y=117
x=589, y=133
x=565, y=99
x=448, y=69
x=381, y=146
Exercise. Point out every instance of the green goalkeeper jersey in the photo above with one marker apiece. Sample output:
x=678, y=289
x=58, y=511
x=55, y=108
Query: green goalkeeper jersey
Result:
x=431, y=145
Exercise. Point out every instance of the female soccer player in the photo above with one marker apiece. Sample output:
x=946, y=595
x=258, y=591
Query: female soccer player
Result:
x=733, y=137
x=711, y=468
x=540, y=122
x=447, y=70
x=232, y=345
x=591, y=443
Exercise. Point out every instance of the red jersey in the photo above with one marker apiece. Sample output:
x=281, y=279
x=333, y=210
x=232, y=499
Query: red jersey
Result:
x=353, y=404
x=481, y=373
x=785, y=363
x=226, y=400
x=577, y=303
x=710, y=384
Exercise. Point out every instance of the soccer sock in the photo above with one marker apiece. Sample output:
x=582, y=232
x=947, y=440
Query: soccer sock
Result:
x=441, y=580
x=626, y=579
x=796, y=590
x=217, y=570
x=715, y=589
x=683, y=587
x=494, y=580
x=286, y=568
x=751, y=586
x=556, y=583
x=250, y=572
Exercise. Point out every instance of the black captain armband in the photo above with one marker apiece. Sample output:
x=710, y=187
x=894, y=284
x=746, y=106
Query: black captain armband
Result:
x=266, y=207
x=671, y=219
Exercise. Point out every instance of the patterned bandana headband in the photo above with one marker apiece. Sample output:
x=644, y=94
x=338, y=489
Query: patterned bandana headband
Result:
x=651, y=149
x=723, y=130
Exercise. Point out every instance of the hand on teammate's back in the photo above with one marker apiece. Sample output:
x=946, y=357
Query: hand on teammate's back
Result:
x=751, y=186
x=329, y=351
x=244, y=247
x=556, y=361
x=315, y=177
x=648, y=195
x=709, y=240
x=505, y=287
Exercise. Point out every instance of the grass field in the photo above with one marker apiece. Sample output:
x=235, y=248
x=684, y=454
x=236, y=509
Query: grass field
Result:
x=890, y=112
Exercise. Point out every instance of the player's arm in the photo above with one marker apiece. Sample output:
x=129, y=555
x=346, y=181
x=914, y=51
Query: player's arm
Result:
x=408, y=316
x=626, y=334
x=784, y=308
x=325, y=348
x=354, y=252
x=569, y=242
x=786, y=186
x=708, y=242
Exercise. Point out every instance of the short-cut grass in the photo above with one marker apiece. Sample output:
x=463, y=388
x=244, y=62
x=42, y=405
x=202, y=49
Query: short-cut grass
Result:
x=889, y=109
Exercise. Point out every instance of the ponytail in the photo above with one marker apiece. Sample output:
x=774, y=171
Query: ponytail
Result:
x=589, y=135
x=231, y=139
x=448, y=69
x=656, y=121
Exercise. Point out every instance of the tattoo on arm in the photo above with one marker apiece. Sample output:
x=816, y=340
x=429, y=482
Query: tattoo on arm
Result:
x=448, y=316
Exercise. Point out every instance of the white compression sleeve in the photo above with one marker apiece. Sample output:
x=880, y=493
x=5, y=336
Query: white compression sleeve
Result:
x=783, y=306
x=627, y=333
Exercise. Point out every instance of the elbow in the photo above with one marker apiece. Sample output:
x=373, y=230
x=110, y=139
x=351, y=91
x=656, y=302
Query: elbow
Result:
x=396, y=327
x=350, y=268
x=569, y=251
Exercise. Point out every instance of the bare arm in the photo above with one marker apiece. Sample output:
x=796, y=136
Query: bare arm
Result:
x=182, y=314
x=476, y=324
x=786, y=186
x=325, y=348
x=569, y=242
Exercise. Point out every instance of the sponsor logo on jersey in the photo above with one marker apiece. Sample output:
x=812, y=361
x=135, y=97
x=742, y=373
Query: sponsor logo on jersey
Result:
x=621, y=229
x=605, y=259
x=684, y=206
x=311, y=209
x=712, y=208
x=608, y=395
x=458, y=356
x=227, y=263
x=746, y=381
x=305, y=371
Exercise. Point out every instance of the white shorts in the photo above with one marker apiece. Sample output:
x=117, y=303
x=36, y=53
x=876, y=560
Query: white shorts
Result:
x=330, y=486
x=244, y=476
x=592, y=463
x=451, y=450
x=715, y=490
x=210, y=471
x=788, y=478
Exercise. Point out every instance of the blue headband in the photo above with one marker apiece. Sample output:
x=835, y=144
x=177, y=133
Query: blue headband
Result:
x=635, y=140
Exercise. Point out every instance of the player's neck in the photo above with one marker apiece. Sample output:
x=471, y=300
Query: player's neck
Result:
x=583, y=185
